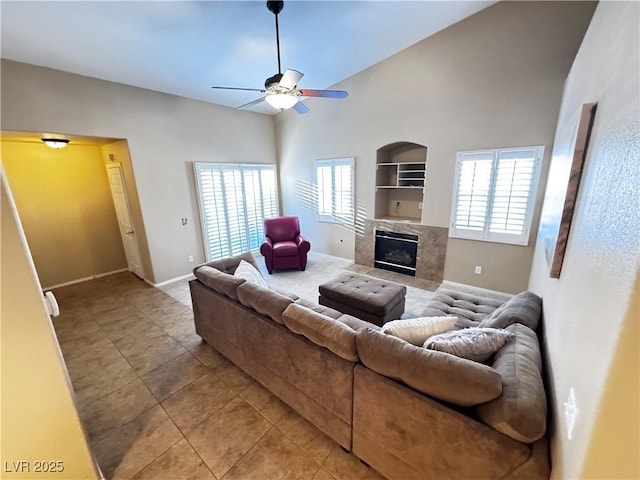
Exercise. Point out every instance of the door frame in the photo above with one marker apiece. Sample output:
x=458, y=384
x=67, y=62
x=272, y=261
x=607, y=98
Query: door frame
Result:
x=118, y=166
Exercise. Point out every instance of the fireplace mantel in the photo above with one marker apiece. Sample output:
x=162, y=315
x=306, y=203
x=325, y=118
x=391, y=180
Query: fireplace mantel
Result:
x=432, y=246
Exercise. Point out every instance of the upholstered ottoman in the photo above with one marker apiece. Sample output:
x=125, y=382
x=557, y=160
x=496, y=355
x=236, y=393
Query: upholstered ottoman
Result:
x=367, y=298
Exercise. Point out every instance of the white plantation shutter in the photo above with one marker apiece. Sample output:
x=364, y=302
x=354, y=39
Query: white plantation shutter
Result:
x=234, y=200
x=343, y=187
x=324, y=174
x=474, y=183
x=494, y=194
x=334, y=181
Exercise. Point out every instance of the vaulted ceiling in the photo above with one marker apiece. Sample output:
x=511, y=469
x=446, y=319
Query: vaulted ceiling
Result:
x=185, y=47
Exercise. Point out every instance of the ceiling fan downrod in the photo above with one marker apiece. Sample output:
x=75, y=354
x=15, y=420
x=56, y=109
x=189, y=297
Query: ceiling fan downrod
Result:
x=276, y=8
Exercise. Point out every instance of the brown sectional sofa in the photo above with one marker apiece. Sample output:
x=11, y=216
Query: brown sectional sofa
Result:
x=440, y=416
x=248, y=325
x=407, y=411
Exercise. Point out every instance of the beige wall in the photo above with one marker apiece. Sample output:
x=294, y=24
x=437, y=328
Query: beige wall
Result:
x=39, y=419
x=492, y=80
x=66, y=209
x=165, y=135
x=591, y=312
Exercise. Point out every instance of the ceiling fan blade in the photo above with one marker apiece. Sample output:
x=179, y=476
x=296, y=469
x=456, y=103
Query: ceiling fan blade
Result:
x=324, y=93
x=290, y=79
x=261, y=90
x=300, y=107
x=250, y=104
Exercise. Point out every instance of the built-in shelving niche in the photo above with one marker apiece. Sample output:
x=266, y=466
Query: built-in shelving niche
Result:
x=401, y=169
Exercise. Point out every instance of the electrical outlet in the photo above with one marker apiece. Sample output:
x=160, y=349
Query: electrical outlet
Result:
x=190, y=258
x=478, y=270
x=420, y=205
x=570, y=413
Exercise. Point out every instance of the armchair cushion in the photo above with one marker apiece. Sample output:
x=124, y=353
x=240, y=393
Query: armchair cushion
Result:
x=285, y=249
x=281, y=229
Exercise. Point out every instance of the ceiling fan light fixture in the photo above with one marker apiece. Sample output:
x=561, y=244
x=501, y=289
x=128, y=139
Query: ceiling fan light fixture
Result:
x=281, y=101
x=56, y=143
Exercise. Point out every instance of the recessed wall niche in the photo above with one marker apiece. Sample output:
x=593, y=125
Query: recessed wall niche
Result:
x=400, y=181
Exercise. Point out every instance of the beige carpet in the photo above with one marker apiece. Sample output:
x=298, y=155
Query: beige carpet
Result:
x=321, y=268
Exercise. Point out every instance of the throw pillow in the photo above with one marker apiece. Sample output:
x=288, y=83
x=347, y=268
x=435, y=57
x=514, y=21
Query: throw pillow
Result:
x=250, y=274
x=417, y=330
x=474, y=343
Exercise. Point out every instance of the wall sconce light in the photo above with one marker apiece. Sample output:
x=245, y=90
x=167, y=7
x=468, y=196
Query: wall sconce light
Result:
x=56, y=143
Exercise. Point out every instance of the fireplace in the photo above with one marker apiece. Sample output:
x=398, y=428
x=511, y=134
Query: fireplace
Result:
x=396, y=252
x=432, y=247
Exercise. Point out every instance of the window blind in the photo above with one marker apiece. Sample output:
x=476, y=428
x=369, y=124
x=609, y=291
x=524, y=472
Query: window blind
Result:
x=335, y=198
x=234, y=200
x=494, y=194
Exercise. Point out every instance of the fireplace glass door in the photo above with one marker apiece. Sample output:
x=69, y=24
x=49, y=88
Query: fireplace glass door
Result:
x=396, y=252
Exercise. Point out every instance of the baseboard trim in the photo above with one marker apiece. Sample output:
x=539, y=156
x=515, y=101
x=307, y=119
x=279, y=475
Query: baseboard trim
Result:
x=171, y=280
x=85, y=279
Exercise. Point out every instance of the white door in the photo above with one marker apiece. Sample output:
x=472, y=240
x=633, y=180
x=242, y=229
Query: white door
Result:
x=123, y=212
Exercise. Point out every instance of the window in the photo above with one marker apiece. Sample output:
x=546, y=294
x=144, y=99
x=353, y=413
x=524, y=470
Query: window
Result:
x=494, y=194
x=334, y=181
x=234, y=200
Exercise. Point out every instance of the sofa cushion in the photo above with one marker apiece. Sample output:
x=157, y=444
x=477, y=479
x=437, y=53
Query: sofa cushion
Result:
x=250, y=274
x=263, y=300
x=521, y=411
x=220, y=282
x=439, y=375
x=356, y=323
x=292, y=296
x=473, y=343
x=322, y=330
x=469, y=308
x=417, y=330
x=328, y=311
x=524, y=308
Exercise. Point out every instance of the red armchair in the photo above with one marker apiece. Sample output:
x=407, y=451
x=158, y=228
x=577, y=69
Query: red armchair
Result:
x=284, y=247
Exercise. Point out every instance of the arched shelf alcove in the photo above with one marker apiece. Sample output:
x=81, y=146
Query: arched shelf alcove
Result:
x=400, y=181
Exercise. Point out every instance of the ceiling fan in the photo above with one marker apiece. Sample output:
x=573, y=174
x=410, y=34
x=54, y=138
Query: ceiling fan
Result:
x=281, y=89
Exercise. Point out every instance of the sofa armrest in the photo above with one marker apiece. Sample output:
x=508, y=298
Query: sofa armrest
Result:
x=521, y=411
x=229, y=264
x=221, y=282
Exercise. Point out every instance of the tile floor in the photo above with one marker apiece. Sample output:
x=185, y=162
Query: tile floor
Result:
x=158, y=403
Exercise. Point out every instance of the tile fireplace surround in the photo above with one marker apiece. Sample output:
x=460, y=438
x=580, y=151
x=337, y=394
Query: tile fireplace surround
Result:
x=432, y=246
